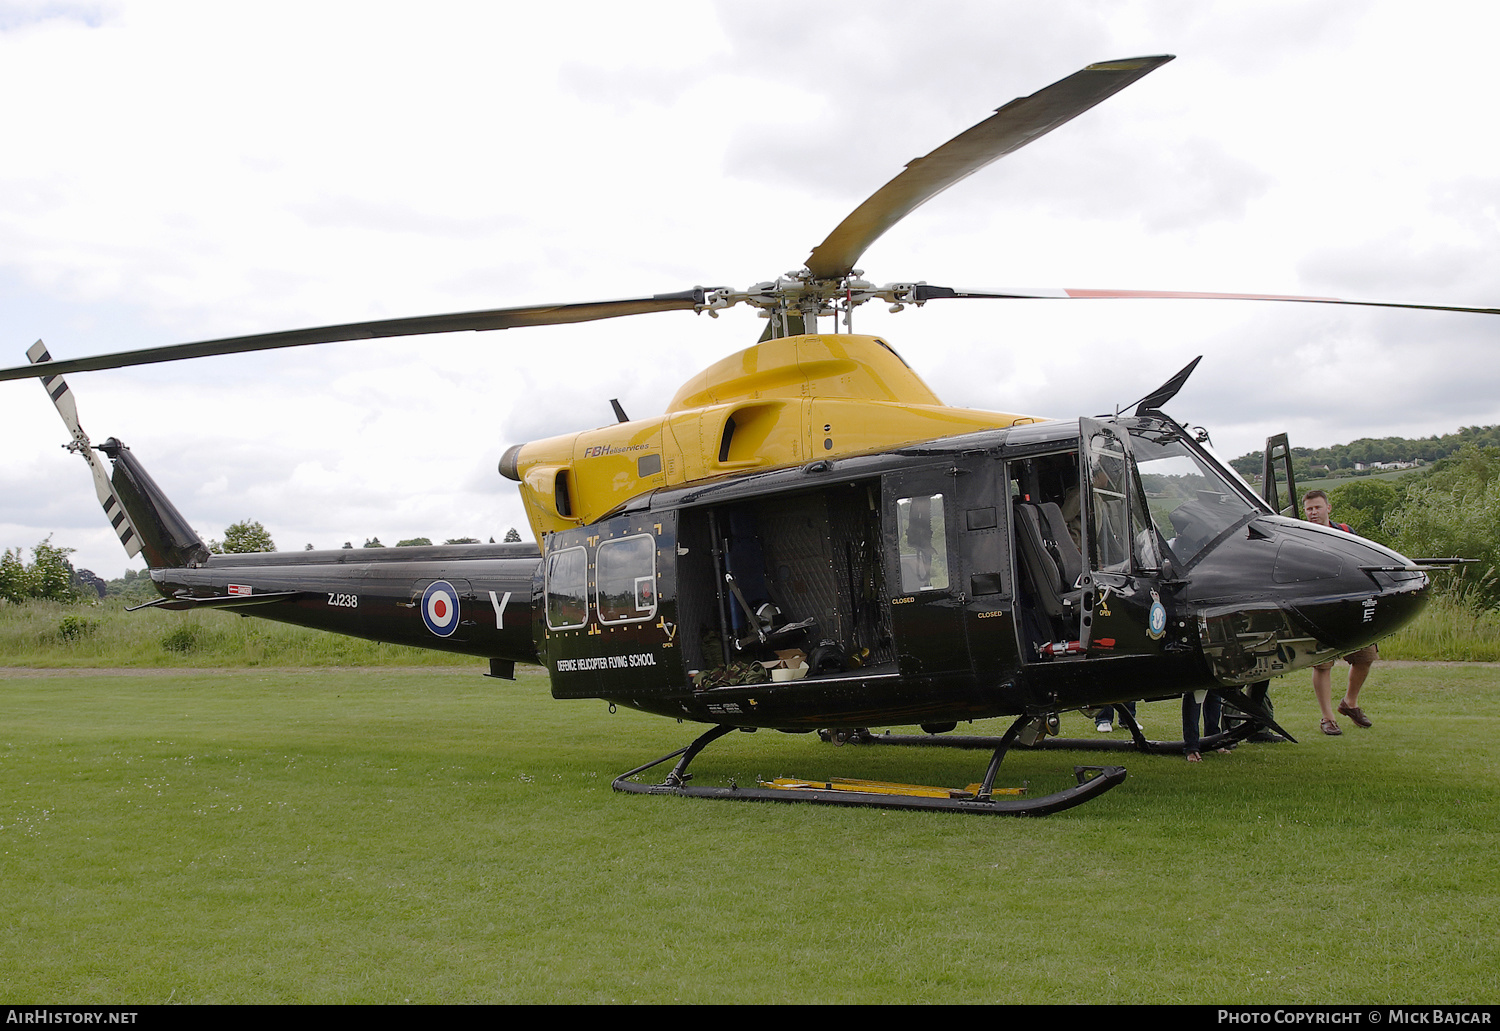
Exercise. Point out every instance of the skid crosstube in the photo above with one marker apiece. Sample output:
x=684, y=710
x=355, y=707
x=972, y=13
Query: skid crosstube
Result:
x=1255, y=721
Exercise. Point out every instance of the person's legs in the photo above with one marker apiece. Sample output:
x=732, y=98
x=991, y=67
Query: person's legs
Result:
x=1104, y=719
x=1323, y=689
x=1190, y=709
x=1357, y=675
x=1359, y=669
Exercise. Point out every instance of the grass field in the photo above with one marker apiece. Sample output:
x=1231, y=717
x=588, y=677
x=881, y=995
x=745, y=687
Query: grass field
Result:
x=1330, y=482
x=44, y=633
x=428, y=835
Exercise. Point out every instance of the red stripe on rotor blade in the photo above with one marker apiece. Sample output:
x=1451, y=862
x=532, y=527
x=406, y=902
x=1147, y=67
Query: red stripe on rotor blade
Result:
x=1193, y=295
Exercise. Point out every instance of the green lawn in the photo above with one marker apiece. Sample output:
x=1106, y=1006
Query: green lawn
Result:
x=428, y=835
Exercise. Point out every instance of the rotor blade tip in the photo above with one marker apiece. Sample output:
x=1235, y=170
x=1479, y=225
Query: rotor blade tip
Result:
x=1131, y=64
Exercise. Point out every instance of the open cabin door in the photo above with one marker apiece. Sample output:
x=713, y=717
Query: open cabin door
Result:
x=1121, y=609
x=1276, y=468
x=1104, y=471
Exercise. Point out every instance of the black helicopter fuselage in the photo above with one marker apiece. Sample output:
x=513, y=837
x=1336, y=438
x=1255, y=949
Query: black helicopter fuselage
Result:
x=1033, y=569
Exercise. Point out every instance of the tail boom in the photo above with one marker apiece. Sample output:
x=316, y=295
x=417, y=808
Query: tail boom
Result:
x=474, y=599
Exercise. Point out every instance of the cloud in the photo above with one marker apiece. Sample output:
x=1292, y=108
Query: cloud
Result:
x=23, y=15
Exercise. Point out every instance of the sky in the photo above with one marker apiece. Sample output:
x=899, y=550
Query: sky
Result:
x=188, y=171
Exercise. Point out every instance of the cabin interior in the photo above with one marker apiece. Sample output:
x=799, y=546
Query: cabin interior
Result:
x=798, y=571
x=818, y=571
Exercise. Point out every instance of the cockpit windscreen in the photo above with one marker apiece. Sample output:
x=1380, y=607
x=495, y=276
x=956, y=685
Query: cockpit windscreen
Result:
x=1190, y=501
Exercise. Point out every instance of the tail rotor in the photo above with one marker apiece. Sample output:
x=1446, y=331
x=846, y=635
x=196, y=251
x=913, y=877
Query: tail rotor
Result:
x=143, y=517
x=62, y=396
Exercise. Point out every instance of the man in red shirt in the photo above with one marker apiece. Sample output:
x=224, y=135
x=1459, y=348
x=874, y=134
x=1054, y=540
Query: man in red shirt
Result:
x=1316, y=508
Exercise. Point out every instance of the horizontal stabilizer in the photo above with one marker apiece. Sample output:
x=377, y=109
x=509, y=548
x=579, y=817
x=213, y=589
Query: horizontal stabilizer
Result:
x=223, y=601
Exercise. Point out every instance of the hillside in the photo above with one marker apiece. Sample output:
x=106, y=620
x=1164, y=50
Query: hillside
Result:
x=1340, y=460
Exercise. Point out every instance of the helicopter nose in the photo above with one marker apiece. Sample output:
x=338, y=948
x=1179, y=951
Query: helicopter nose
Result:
x=1356, y=590
x=1287, y=595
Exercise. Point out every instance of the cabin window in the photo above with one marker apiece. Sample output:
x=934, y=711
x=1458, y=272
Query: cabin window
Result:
x=923, y=538
x=625, y=578
x=567, y=589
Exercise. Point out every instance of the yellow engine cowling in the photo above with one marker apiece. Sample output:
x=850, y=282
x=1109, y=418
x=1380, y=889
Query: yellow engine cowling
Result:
x=778, y=404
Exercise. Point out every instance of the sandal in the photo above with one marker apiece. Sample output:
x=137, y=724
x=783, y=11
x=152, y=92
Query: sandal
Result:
x=1194, y=757
x=1330, y=728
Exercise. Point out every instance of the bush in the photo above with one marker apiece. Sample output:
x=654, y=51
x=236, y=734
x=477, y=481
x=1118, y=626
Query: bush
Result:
x=1456, y=513
x=186, y=638
x=134, y=587
x=1364, y=505
x=75, y=628
x=12, y=577
x=242, y=538
x=49, y=577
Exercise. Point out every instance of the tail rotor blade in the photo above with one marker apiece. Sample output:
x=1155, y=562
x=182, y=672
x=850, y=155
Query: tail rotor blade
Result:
x=62, y=397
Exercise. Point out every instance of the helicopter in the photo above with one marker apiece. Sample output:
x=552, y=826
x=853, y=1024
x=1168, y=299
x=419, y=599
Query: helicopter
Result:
x=808, y=539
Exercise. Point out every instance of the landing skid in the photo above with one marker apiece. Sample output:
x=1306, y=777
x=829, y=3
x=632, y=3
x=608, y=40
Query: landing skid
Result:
x=1092, y=782
x=1254, y=722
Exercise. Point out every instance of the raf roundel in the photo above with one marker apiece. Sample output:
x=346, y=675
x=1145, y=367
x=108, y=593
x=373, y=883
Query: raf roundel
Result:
x=440, y=608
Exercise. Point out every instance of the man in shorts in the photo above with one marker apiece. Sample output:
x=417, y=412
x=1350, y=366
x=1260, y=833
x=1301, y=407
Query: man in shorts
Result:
x=1316, y=508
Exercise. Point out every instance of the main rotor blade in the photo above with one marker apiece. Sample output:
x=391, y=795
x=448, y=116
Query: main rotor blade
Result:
x=922, y=293
x=498, y=318
x=1009, y=128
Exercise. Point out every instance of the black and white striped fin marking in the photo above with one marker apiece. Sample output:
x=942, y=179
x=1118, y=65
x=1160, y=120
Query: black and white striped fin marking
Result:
x=57, y=389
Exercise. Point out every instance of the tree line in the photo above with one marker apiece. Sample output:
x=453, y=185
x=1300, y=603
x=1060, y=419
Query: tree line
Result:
x=1341, y=459
x=248, y=536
